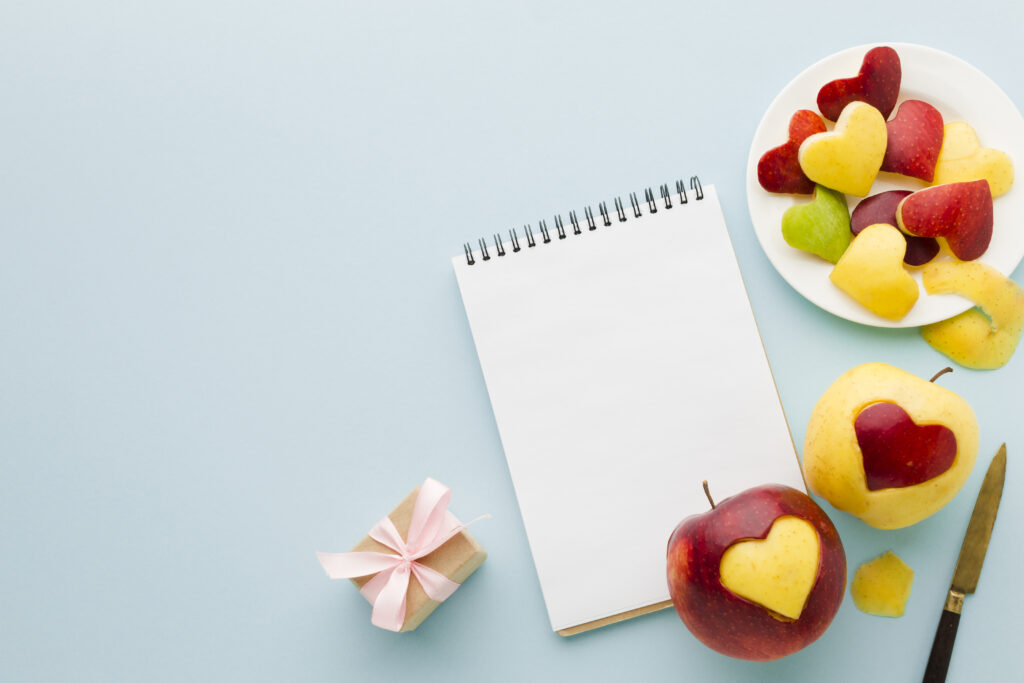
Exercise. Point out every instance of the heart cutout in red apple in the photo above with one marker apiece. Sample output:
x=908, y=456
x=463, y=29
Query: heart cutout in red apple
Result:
x=897, y=451
x=877, y=83
x=779, y=168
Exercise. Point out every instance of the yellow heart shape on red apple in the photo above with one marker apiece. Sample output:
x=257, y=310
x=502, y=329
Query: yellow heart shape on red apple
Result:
x=777, y=572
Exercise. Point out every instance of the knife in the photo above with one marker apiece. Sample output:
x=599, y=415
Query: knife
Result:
x=968, y=566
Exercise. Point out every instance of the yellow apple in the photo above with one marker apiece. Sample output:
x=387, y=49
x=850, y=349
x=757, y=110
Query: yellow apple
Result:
x=972, y=339
x=889, y=447
x=882, y=586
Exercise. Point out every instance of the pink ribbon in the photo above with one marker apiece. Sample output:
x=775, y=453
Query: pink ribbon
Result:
x=431, y=527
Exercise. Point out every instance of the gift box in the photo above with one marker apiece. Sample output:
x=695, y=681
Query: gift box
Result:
x=411, y=561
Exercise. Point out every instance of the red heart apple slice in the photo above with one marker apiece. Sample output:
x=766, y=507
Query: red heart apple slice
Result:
x=881, y=208
x=877, y=83
x=779, y=168
x=897, y=452
x=914, y=139
x=960, y=212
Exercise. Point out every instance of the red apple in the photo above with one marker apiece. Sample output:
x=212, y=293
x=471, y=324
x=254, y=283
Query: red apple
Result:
x=877, y=83
x=740, y=626
x=881, y=208
x=914, y=138
x=779, y=170
x=960, y=212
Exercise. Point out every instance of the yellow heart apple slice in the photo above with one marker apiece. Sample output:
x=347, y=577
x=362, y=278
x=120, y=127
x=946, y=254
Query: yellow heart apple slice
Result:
x=847, y=158
x=962, y=158
x=777, y=572
x=972, y=339
x=871, y=271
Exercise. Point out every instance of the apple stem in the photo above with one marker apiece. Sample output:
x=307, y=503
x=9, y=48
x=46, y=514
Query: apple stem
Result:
x=707, y=493
x=940, y=373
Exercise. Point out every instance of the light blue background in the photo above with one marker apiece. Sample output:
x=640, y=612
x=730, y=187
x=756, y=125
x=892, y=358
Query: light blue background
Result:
x=231, y=334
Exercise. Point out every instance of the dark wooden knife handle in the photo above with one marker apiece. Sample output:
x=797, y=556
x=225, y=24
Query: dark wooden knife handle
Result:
x=942, y=647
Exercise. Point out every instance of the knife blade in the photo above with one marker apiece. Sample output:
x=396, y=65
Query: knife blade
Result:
x=968, y=566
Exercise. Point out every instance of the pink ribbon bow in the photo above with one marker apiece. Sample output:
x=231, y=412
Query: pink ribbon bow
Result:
x=431, y=527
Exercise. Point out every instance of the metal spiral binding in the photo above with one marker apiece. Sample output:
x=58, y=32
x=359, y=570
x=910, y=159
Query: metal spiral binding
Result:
x=665, y=195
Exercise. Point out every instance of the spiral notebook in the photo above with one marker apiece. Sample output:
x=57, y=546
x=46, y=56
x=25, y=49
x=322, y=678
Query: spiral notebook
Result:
x=624, y=367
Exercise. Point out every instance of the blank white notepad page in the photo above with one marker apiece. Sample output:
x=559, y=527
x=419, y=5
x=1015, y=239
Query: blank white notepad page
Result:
x=624, y=367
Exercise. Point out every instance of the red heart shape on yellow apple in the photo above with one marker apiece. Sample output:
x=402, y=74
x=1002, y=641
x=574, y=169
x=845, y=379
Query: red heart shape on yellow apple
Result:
x=899, y=452
x=837, y=468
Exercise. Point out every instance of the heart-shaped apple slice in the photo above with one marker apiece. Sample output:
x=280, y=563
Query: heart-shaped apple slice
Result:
x=959, y=212
x=962, y=158
x=871, y=271
x=881, y=208
x=779, y=168
x=898, y=452
x=777, y=572
x=848, y=157
x=821, y=227
x=914, y=140
x=877, y=83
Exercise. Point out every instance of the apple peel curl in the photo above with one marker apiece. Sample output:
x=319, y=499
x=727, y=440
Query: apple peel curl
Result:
x=973, y=339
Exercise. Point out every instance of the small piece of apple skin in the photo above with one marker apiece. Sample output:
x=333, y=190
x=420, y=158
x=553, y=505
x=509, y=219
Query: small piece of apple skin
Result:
x=972, y=339
x=882, y=586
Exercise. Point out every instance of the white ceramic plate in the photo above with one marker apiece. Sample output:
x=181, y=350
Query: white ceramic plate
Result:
x=961, y=93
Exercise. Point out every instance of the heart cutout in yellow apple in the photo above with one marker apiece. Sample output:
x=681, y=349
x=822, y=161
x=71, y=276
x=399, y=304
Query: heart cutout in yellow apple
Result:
x=777, y=572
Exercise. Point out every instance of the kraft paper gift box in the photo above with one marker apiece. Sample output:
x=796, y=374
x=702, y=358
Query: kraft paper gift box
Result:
x=455, y=559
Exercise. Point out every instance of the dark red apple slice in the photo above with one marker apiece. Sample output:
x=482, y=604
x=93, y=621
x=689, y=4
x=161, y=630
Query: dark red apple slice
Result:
x=877, y=83
x=779, y=168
